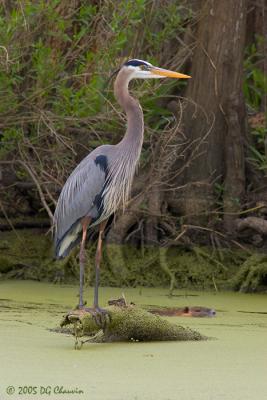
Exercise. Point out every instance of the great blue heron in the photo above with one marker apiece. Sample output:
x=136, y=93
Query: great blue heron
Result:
x=101, y=183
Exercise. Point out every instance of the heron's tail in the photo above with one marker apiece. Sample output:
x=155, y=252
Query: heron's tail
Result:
x=69, y=240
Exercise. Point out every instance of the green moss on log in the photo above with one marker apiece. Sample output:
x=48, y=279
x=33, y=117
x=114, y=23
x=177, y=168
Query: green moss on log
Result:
x=129, y=323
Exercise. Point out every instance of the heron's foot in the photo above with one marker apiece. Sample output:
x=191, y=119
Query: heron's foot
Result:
x=81, y=306
x=100, y=315
x=81, y=303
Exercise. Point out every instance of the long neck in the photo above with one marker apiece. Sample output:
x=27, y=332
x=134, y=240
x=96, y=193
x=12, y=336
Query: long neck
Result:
x=133, y=138
x=124, y=161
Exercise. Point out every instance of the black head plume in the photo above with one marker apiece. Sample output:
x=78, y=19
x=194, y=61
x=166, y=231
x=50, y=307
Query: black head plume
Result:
x=136, y=63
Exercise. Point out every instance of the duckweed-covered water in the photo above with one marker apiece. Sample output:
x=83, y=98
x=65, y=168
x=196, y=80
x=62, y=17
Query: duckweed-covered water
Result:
x=37, y=363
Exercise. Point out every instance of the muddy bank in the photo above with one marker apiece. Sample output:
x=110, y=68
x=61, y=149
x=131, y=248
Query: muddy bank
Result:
x=28, y=254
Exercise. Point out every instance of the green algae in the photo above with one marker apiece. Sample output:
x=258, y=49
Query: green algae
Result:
x=231, y=367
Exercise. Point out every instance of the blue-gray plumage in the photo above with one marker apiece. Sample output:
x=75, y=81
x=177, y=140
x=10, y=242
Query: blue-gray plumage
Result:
x=101, y=183
x=79, y=198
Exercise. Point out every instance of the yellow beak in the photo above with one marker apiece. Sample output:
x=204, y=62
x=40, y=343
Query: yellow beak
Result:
x=170, y=74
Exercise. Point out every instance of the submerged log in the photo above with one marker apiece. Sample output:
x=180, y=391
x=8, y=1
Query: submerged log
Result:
x=127, y=323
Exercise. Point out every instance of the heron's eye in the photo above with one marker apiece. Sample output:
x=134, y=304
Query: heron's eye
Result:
x=144, y=67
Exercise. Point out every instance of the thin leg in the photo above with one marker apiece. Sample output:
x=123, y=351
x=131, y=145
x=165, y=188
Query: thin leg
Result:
x=98, y=257
x=100, y=316
x=85, y=222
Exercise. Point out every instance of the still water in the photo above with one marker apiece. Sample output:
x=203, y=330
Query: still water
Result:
x=37, y=363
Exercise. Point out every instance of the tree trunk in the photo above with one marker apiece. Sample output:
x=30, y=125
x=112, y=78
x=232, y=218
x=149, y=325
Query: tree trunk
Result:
x=234, y=182
x=154, y=206
x=216, y=75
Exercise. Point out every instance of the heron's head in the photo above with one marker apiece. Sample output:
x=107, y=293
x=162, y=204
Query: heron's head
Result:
x=144, y=70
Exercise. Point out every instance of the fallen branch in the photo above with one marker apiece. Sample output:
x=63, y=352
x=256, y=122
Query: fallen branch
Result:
x=257, y=224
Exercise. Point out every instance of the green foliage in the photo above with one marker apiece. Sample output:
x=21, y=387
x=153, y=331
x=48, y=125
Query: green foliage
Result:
x=219, y=191
x=9, y=139
x=55, y=59
x=258, y=151
x=255, y=83
x=257, y=158
x=252, y=276
x=255, y=91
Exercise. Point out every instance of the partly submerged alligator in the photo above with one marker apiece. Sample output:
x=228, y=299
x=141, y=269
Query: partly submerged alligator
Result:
x=196, y=311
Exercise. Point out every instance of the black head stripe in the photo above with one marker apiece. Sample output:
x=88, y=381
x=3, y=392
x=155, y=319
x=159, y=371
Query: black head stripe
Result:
x=136, y=63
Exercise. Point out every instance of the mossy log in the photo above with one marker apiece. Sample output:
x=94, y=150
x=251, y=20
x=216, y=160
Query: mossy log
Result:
x=129, y=323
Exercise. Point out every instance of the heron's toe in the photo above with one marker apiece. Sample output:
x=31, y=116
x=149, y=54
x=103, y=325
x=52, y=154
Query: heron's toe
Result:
x=80, y=306
x=102, y=317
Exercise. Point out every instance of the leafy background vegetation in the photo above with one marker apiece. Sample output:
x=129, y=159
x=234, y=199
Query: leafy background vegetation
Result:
x=56, y=58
